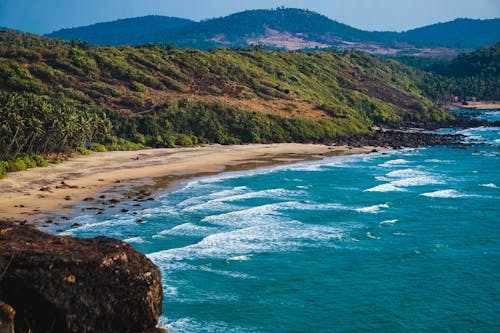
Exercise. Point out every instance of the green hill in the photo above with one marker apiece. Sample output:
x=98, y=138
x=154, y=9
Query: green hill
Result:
x=460, y=34
x=122, y=32
x=474, y=74
x=58, y=96
x=285, y=28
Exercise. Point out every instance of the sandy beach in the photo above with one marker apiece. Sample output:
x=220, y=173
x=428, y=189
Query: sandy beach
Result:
x=483, y=105
x=39, y=193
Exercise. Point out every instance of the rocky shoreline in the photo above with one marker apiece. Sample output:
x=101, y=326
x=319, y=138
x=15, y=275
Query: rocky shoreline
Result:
x=65, y=284
x=402, y=139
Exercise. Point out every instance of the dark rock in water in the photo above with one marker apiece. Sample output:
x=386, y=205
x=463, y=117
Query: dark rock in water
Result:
x=64, y=284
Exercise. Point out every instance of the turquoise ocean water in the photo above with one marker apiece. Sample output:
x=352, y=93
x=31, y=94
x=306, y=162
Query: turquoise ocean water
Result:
x=405, y=241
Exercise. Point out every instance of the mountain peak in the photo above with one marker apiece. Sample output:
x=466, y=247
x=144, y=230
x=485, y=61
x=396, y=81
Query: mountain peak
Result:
x=283, y=28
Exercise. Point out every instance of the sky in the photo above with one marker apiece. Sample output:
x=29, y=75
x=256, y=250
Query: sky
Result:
x=44, y=16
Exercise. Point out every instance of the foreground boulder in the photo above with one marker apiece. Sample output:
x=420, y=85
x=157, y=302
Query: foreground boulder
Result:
x=64, y=284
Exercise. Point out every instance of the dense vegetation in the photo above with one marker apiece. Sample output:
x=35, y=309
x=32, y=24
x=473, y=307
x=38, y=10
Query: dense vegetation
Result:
x=60, y=97
x=249, y=27
x=475, y=74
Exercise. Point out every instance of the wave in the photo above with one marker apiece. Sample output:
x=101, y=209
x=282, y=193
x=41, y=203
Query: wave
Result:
x=239, y=258
x=272, y=193
x=370, y=235
x=398, y=180
x=445, y=194
x=274, y=237
x=372, y=209
x=88, y=223
x=490, y=185
x=393, y=163
x=138, y=240
x=405, y=173
x=193, y=200
x=267, y=213
x=185, y=229
x=417, y=181
x=389, y=222
x=386, y=188
x=190, y=325
x=435, y=160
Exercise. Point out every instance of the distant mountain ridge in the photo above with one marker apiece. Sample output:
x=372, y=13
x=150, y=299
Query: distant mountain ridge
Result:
x=459, y=33
x=121, y=32
x=284, y=28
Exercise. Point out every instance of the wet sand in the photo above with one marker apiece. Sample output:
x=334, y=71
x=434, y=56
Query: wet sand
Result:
x=37, y=194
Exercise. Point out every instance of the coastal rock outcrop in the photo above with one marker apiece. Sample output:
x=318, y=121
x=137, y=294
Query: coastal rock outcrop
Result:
x=64, y=284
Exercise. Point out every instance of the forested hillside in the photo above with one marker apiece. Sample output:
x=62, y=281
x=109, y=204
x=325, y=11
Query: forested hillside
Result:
x=59, y=96
x=289, y=29
x=475, y=74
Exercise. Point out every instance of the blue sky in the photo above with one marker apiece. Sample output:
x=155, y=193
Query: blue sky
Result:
x=43, y=16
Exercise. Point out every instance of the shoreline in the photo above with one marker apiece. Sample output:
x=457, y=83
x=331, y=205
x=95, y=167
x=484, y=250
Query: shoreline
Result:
x=43, y=195
x=481, y=105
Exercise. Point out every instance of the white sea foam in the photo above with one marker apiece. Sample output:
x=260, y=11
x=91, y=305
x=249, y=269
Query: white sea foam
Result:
x=274, y=237
x=393, y=163
x=219, y=202
x=490, y=185
x=210, y=206
x=386, y=188
x=372, y=209
x=185, y=229
x=170, y=290
x=370, y=235
x=405, y=173
x=247, y=217
x=435, y=160
x=398, y=180
x=272, y=193
x=190, y=325
x=138, y=240
x=417, y=181
x=445, y=194
x=214, y=195
x=89, y=223
x=239, y=258
x=231, y=274
x=266, y=213
x=389, y=222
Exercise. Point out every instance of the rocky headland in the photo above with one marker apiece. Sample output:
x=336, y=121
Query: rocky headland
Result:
x=64, y=284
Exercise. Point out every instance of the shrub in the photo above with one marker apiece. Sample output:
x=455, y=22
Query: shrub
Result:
x=3, y=169
x=185, y=140
x=83, y=151
x=120, y=144
x=139, y=87
x=29, y=162
x=16, y=165
x=98, y=147
x=40, y=161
